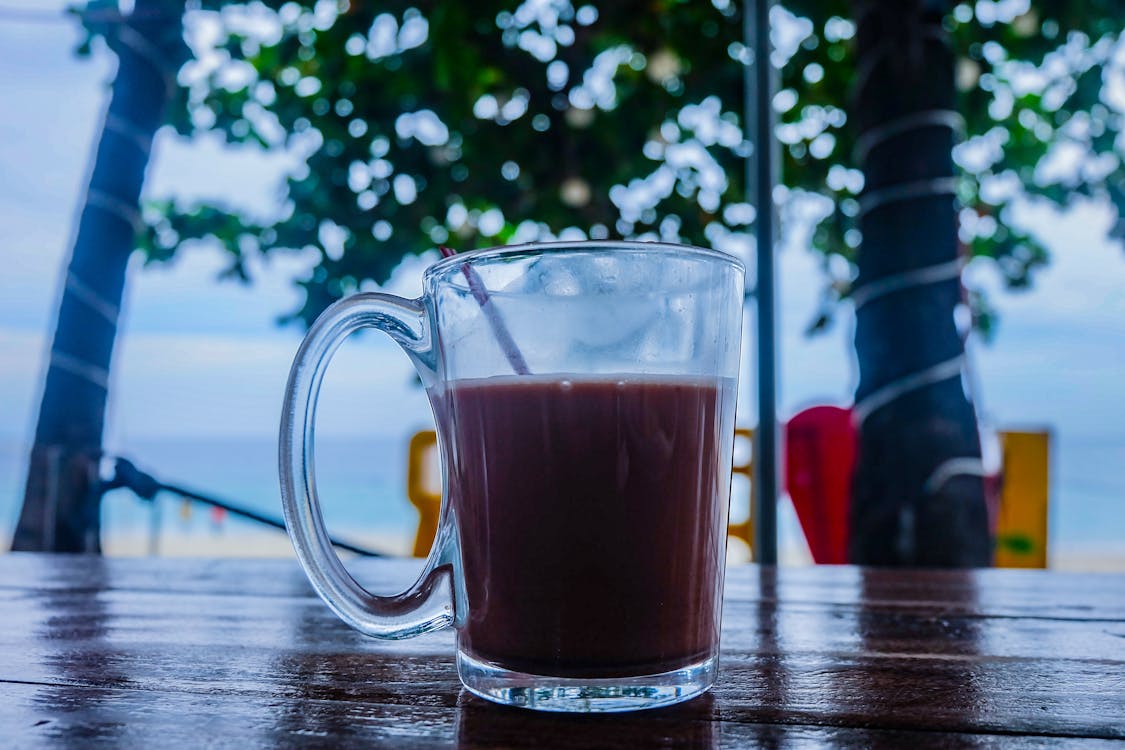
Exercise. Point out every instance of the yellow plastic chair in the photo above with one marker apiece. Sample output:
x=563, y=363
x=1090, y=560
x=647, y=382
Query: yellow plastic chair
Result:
x=420, y=489
x=745, y=530
x=1021, y=521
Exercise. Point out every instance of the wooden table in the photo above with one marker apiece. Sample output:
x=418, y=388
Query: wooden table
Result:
x=179, y=653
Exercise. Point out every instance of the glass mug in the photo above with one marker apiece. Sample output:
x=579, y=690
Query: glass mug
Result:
x=584, y=396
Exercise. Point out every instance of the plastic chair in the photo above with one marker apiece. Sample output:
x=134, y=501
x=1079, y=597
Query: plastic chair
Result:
x=820, y=450
x=420, y=489
x=1021, y=519
x=745, y=529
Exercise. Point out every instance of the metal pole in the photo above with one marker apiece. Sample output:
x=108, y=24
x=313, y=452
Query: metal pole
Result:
x=145, y=486
x=261, y=518
x=759, y=180
x=155, y=522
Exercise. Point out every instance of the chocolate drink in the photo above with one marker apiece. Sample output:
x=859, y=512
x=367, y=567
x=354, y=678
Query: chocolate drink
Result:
x=592, y=513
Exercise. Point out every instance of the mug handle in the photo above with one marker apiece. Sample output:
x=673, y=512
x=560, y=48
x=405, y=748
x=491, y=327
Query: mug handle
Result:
x=428, y=604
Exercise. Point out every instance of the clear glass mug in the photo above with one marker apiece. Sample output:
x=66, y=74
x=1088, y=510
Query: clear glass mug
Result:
x=584, y=396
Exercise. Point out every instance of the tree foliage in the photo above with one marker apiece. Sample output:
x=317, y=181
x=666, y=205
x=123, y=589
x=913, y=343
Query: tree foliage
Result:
x=419, y=122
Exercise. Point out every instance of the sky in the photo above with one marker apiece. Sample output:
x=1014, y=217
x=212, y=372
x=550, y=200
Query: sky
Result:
x=199, y=358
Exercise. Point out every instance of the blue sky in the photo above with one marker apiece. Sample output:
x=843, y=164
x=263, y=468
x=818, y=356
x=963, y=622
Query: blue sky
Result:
x=200, y=358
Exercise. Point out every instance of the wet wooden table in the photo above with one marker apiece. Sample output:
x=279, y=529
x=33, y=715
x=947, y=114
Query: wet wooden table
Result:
x=180, y=653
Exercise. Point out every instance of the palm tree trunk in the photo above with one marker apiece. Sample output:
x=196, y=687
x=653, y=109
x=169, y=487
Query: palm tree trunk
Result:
x=918, y=496
x=61, y=500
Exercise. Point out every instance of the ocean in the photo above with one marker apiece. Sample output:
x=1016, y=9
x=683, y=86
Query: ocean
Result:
x=363, y=489
x=362, y=485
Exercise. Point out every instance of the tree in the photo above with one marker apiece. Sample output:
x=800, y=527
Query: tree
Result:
x=61, y=501
x=432, y=122
x=913, y=413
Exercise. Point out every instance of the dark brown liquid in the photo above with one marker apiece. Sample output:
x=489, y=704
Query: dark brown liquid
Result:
x=593, y=520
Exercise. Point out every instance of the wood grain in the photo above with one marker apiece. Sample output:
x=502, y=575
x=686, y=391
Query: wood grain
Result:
x=242, y=653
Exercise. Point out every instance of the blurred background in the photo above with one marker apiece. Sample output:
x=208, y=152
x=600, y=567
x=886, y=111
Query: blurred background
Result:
x=309, y=150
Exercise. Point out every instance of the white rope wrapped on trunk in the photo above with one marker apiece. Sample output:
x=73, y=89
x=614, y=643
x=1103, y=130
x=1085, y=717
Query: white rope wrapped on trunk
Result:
x=113, y=205
x=152, y=54
x=81, y=368
x=905, y=191
x=896, y=389
x=915, y=277
x=91, y=299
x=130, y=132
x=930, y=118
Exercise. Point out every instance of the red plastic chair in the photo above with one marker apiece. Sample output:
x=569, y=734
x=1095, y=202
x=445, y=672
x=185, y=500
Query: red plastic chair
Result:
x=820, y=452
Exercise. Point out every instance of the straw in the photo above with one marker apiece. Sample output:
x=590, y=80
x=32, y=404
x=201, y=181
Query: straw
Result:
x=495, y=321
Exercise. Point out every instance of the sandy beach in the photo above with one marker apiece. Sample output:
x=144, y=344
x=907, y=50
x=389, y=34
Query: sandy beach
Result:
x=254, y=544
x=1094, y=559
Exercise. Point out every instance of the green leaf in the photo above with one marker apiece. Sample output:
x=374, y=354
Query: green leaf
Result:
x=676, y=56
